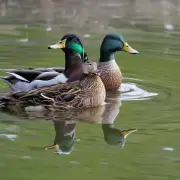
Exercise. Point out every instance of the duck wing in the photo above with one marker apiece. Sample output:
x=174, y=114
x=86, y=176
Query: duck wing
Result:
x=60, y=95
x=19, y=77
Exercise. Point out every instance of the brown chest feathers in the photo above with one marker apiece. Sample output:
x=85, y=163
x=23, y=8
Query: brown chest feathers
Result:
x=110, y=75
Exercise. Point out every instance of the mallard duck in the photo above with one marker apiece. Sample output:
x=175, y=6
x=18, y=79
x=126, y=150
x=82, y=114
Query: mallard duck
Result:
x=27, y=79
x=109, y=70
x=86, y=93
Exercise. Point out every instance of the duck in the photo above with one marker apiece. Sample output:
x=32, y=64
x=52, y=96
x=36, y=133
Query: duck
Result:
x=27, y=79
x=110, y=72
x=88, y=92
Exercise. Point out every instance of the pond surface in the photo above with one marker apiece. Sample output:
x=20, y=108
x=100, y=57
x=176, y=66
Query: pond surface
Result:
x=92, y=142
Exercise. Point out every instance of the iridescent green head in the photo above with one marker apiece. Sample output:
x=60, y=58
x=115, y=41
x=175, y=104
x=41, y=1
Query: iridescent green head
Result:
x=113, y=43
x=71, y=44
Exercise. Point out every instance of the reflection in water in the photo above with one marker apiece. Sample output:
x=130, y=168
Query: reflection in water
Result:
x=11, y=137
x=114, y=136
x=64, y=138
x=65, y=125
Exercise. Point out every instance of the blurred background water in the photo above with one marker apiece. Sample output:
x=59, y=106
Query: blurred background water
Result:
x=93, y=138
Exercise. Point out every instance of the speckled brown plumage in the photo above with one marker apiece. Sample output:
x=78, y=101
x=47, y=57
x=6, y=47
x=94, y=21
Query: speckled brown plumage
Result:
x=89, y=92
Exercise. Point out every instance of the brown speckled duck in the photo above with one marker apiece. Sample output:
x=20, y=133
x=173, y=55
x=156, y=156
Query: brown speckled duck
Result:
x=86, y=93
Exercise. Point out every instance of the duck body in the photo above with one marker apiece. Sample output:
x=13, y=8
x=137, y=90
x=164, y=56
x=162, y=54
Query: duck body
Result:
x=109, y=70
x=86, y=93
x=110, y=74
x=27, y=79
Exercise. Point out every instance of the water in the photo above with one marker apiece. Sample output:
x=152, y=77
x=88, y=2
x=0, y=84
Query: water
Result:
x=148, y=99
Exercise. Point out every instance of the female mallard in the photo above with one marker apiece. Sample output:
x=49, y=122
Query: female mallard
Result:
x=86, y=93
x=28, y=79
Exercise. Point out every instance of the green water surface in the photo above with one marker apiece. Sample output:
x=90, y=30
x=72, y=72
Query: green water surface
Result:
x=157, y=120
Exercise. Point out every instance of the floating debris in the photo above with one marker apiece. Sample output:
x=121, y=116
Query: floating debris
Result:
x=169, y=26
x=104, y=163
x=74, y=162
x=87, y=36
x=24, y=40
x=48, y=29
x=168, y=149
x=26, y=157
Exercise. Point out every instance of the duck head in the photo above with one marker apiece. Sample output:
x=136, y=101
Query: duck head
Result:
x=71, y=44
x=114, y=136
x=75, y=56
x=64, y=139
x=113, y=43
x=90, y=67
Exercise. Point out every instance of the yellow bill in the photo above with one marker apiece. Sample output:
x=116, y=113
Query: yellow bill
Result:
x=129, y=49
x=53, y=147
x=59, y=45
x=125, y=133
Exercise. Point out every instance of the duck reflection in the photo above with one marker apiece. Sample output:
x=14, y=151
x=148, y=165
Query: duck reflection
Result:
x=65, y=137
x=65, y=125
x=113, y=136
x=64, y=140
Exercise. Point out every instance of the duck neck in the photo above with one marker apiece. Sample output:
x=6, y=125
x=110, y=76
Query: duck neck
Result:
x=106, y=56
x=67, y=61
x=73, y=62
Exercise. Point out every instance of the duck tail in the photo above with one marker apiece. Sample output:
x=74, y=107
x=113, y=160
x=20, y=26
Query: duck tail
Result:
x=13, y=79
x=17, y=77
x=7, y=80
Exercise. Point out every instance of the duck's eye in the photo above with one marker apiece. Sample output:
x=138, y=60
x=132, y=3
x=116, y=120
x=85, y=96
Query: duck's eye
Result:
x=75, y=40
x=60, y=42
